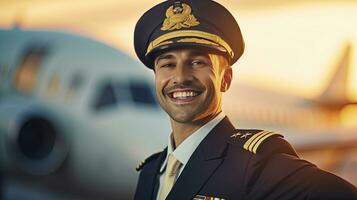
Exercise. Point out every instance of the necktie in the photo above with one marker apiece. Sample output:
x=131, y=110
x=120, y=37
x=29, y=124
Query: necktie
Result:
x=170, y=176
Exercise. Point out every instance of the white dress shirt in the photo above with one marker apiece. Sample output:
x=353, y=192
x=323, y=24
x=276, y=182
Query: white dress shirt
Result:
x=184, y=151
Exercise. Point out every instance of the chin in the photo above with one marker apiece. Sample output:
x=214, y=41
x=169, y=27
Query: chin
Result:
x=188, y=117
x=182, y=117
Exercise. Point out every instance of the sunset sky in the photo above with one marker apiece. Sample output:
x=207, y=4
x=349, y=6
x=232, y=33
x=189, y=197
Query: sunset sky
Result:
x=291, y=46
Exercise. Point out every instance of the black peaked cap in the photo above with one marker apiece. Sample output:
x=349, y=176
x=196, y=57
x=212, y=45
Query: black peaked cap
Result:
x=187, y=23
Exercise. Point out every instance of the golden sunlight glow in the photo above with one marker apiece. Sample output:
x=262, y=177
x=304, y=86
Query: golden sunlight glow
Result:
x=297, y=49
x=291, y=46
x=348, y=116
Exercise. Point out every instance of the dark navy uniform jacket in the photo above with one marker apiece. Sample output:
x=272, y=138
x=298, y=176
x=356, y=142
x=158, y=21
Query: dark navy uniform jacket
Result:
x=227, y=165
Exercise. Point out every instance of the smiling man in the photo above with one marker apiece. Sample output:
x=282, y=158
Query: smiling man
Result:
x=191, y=45
x=189, y=85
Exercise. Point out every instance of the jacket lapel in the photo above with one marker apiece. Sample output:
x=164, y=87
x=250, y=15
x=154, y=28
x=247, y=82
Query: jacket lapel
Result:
x=204, y=161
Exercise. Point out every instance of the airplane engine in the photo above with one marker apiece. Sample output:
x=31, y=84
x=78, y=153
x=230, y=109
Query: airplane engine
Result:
x=31, y=141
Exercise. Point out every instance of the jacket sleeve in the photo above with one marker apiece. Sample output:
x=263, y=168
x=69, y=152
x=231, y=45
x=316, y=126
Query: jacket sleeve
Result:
x=283, y=176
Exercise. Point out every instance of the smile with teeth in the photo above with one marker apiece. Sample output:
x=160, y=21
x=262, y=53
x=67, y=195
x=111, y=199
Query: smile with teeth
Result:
x=184, y=94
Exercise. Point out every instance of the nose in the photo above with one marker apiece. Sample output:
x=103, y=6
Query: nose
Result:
x=182, y=74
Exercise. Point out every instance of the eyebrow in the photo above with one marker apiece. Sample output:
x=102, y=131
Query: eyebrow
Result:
x=191, y=53
x=162, y=57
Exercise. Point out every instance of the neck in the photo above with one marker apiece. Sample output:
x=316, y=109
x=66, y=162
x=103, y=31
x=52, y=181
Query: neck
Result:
x=181, y=131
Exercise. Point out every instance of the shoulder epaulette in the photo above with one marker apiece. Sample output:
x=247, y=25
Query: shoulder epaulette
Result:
x=262, y=142
x=148, y=159
x=254, y=141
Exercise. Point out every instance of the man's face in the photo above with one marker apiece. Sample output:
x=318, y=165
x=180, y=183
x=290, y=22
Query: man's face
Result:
x=189, y=83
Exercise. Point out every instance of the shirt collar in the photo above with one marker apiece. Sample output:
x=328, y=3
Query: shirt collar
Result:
x=184, y=151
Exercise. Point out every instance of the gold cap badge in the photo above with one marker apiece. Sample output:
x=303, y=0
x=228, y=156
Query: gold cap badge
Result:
x=179, y=16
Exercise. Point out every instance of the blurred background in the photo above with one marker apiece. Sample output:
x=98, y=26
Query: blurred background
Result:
x=78, y=110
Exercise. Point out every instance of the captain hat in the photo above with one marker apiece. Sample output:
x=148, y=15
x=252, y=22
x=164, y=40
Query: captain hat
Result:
x=187, y=23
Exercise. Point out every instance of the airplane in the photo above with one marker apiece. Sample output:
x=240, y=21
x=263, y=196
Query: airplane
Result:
x=75, y=112
x=288, y=110
x=77, y=116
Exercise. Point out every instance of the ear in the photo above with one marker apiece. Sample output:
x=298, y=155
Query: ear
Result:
x=227, y=79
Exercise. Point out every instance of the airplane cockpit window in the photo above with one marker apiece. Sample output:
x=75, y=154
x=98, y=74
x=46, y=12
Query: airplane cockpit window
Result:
x=111, y=93
x=28, y=68
x=106, y=97
x=142, y=93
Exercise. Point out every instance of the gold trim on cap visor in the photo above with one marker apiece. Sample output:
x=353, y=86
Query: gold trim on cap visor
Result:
x=190, y=33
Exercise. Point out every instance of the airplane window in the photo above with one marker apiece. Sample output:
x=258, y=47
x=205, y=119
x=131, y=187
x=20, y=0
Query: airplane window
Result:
x=74, y=85
x=122, y=92
x=27, y=73
x=28, y=69
x=106, y=97
x=142, y=93
x=53, y=85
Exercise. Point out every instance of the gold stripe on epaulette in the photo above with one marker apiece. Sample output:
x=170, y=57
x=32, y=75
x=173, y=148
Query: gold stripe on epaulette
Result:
x=256, y=145
x=251, y=145
x=138, y=167
x=250, y=140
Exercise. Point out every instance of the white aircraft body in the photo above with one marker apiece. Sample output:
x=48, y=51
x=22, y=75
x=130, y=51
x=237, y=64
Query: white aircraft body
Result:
x=75, y=112
x=77, y=116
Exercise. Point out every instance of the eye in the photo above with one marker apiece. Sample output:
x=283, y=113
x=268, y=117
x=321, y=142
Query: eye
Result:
x=166, y=65
x=198, y=63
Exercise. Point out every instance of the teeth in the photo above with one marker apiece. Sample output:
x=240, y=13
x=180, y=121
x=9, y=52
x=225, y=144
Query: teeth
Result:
x=184, y=94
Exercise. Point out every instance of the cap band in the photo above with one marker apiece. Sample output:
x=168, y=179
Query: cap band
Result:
x=162, y=40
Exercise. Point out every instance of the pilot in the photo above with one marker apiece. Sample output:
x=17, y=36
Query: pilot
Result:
x=191, y=45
